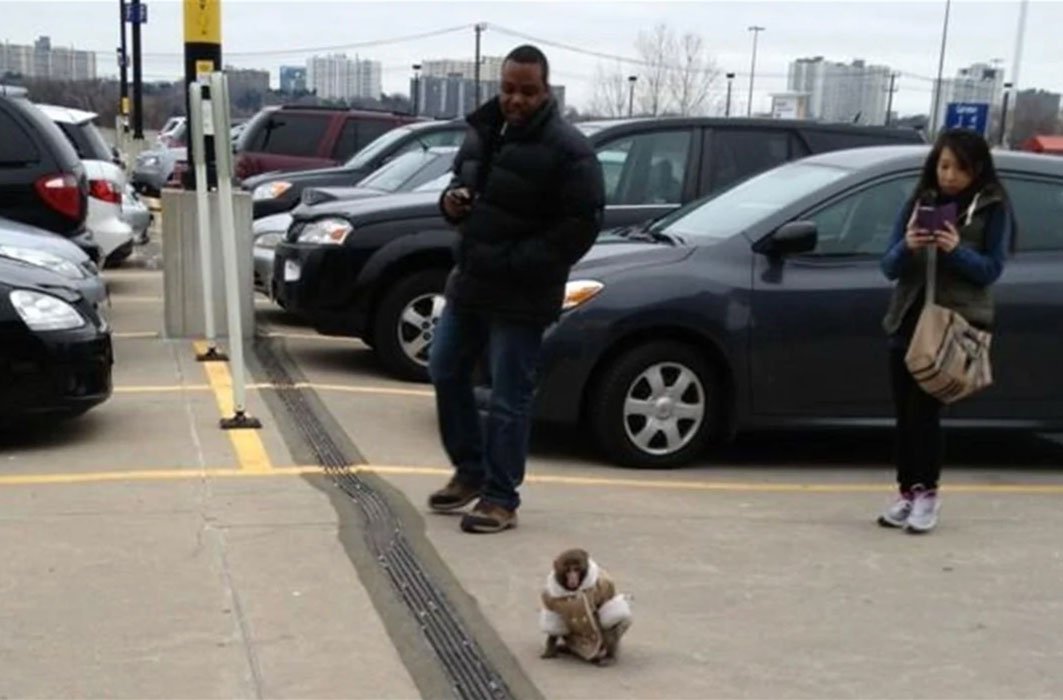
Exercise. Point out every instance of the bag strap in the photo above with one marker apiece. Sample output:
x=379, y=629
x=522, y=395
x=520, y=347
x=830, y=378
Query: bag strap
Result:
x=932, y=257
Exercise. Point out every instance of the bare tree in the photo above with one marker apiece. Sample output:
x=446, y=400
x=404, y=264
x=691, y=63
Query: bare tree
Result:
x=691, y=76
x=610, y=98
x=656, y=50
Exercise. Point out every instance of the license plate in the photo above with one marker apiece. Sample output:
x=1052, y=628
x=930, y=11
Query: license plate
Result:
x=292, y=271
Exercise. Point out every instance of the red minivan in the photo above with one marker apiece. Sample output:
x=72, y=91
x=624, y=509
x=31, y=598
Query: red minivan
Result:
x=297, y=137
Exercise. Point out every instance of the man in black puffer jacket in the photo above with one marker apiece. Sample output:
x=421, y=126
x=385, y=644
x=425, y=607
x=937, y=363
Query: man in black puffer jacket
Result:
x=527, y=197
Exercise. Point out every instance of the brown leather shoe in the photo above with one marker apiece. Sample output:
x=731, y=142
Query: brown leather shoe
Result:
x=456, y=494
x=488, y=518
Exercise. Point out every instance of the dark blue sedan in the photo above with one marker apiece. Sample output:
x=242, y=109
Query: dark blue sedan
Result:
x=762, y=307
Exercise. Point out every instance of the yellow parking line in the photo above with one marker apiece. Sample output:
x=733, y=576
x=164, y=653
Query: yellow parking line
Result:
x=313, y=336
x=250, y=450
x=356, y=389
x=550, y=479
x=174, y=388
x=136, y=335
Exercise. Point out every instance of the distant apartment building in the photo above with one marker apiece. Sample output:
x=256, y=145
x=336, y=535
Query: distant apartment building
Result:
x=978, y=83
x=43, y=61
x=293, y=79
x=838, y=92
x=247, y=80
x=339, y=77
x=447, y=88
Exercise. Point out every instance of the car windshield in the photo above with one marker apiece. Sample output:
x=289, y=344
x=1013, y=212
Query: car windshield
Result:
x=377, y=146
x=436, y=185
x=738, y=208
x=392, y=176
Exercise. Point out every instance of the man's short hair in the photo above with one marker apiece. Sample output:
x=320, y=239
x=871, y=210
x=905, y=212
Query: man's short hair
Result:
x=526, y=53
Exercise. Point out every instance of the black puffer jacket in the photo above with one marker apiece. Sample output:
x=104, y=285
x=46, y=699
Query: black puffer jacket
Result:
x=537, y=208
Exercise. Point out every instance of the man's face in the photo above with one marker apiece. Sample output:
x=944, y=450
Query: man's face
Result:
x=523, y=91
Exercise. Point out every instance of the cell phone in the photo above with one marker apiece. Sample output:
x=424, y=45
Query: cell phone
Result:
x=462, y=196
x=946, y=214
x=926, y=218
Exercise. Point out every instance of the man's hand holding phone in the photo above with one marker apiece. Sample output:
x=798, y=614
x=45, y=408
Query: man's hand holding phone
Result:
x=458, y=202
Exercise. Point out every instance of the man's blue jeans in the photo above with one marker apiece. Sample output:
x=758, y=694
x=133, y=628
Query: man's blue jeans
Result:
x=492, y=455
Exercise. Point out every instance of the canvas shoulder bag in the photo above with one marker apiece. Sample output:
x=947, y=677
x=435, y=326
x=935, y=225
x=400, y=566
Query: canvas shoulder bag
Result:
x=947, y=356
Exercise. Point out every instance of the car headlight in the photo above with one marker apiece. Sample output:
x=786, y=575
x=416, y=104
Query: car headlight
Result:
x=325, y=231
x=269, y=240
x=43, y=312
x=579, y=292
x=40, y=258
x=270, y=190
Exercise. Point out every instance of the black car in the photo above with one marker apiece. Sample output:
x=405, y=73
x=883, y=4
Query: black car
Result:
x=273, y=193
x=375, y=269
x=42, y=180
x=55, y=350
x=762, y=308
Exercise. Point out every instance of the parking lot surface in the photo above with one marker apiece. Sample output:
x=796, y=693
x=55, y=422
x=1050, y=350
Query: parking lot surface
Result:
x=151, y=554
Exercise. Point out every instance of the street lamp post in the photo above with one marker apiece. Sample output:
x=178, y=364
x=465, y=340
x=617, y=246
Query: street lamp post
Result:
x=1004, y=113
x=631, y=95
x=935, y=118
x=416, y=89
x=753, y=68
x=730, y=83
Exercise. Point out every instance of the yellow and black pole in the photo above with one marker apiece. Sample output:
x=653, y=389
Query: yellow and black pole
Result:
x=202, y=57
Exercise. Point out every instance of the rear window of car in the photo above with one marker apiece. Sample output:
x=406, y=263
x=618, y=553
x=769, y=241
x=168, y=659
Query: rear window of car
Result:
x=16, y=146
x=287, y=134
x=87, y=141
x=357, y=133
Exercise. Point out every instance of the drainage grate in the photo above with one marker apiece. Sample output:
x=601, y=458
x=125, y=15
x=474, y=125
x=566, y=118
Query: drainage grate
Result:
x=470, y=672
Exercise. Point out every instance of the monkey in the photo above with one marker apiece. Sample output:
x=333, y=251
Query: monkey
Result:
x=582, y=614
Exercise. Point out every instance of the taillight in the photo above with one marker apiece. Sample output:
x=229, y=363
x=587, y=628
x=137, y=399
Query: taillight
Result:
x=61, y=193
x=105, y=190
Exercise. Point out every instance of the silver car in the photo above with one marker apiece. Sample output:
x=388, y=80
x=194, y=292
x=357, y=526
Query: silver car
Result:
x=45, y=249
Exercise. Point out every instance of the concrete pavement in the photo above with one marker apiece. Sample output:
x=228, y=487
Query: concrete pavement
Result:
x=149, y=554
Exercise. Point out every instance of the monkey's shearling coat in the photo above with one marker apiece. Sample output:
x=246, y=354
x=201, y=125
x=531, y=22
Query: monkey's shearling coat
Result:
x=579, y=616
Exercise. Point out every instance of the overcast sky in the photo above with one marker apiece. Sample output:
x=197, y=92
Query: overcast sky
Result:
x=905, y=36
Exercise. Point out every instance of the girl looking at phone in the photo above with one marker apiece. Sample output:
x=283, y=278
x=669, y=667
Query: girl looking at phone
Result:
x=959, y=208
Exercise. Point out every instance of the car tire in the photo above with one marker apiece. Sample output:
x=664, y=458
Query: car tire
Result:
x=640, y=414
x=119, y=255
x=401, y=346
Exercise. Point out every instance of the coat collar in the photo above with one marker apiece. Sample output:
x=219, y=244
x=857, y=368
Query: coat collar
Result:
x=556, y=590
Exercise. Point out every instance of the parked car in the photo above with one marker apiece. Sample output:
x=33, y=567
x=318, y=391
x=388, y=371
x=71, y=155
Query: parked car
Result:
x=296, y=137
x=172, y=133
x=136, y=214
x=375, y=269
x=42, y=181
x=55, y=349
x=107, y=182
x=153, y=169
x=762, y=308
x=414, y=171
x=52, y=252
x=273, y=193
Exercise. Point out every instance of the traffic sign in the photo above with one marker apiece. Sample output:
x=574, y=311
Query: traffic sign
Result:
x=134, y=17
x=968, y=115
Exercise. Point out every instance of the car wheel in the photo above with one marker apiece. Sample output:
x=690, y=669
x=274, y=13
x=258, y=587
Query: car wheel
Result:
x=120, y=255
x=656, y=406
x=406, y=323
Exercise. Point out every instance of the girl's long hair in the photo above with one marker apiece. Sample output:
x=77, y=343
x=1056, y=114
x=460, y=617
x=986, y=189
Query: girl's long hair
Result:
x=972, y=152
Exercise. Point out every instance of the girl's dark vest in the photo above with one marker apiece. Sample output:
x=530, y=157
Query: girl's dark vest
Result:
x=953, y=290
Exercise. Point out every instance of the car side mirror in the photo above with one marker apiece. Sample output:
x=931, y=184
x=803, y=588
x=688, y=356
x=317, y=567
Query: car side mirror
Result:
x=793, y=238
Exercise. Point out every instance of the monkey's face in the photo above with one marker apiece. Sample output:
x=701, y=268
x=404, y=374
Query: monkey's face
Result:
x=570, y=568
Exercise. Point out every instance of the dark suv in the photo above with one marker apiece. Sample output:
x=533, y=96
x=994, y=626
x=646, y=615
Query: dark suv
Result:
x=375, y=269
x=299, y=138
x=42, y=181
x=273, y=193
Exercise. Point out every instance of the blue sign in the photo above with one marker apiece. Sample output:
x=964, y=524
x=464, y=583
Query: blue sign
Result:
x=968, y=115
x=132, y=16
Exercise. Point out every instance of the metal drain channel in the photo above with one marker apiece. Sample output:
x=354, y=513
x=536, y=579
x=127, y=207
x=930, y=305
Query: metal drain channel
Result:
x=470, y=672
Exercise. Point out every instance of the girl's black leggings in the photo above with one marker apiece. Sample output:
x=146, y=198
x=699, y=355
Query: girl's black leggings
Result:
x=920, y=445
